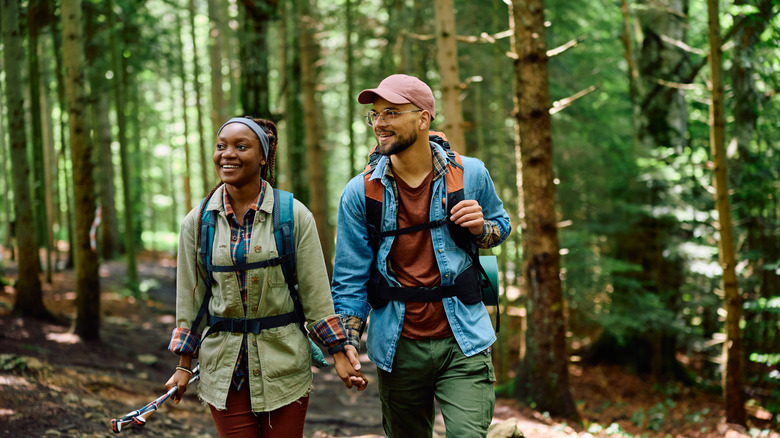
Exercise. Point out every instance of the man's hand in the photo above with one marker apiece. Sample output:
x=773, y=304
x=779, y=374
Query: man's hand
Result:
x=468, y=214
x=348, y=368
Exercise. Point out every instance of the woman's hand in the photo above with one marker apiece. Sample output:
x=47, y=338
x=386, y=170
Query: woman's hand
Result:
x=348, y=368
x=179, y=378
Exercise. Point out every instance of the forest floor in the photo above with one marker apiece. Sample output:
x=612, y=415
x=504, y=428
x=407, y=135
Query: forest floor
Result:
x=54, y=385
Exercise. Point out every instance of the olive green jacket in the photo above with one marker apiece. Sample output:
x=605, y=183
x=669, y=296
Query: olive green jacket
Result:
x=279, y=359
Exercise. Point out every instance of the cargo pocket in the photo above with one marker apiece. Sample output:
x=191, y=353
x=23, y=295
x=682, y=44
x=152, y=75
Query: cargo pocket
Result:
x=489, y=400
x=283, y=351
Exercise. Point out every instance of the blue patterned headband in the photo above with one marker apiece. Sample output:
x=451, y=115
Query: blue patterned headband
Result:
x=257, y=129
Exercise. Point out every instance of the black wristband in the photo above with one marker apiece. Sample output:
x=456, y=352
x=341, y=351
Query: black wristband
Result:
x=336, y=348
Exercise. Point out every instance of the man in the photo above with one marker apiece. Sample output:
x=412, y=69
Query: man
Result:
x=429, y=336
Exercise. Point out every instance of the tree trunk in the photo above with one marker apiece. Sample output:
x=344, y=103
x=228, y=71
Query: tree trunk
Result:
x=218, y=113
x=50, y=180
x=315, y=157
x=34, y=16
x=350, y=97
x=64, y=193
x=29, y=295
x=205, y=161
x=732, y=348
x=254, y=57
x=183, y=76
x=8, y=242
x=447, y=57
x=294, y=114
x=127, y=185
x=87, y=278
x=104, y=173
x=229, y=43
x=544, y=375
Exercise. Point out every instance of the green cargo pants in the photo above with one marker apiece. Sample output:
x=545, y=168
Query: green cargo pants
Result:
x=437, y=368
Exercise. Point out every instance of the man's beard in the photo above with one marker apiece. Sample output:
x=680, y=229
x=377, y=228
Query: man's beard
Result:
x=398, y=146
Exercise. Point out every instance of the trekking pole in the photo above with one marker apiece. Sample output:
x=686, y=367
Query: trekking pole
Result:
x=140, y=416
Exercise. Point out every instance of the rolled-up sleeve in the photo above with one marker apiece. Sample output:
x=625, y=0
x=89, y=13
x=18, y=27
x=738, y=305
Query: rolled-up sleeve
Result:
x=184, y=341
x=329, y=331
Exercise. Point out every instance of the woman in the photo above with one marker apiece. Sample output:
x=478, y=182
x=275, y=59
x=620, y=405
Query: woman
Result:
x=257, y=384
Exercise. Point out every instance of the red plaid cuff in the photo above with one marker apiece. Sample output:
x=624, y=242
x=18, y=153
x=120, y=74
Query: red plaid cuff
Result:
x=183, y=341
x=329, y=331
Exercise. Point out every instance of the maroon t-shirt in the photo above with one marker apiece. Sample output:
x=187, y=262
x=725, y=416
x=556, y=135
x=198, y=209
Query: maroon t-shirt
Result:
x=413, y=262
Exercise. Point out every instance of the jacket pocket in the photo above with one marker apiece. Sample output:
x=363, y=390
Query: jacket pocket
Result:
x=283, y=351
x=211, y=350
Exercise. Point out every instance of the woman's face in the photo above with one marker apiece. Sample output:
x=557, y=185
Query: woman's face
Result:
x=238, y=156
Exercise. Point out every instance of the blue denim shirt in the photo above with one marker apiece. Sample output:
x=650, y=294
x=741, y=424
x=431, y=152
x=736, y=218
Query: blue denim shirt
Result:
x=470, y=324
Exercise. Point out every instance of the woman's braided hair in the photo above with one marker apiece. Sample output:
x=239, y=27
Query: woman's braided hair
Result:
x=267, y=172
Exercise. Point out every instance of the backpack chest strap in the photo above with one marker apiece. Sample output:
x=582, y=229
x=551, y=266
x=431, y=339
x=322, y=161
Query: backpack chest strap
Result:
x=276, y=261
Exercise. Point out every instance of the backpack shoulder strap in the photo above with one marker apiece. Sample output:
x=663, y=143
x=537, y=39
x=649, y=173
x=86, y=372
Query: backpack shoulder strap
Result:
x=208, y=220
x=284, y=224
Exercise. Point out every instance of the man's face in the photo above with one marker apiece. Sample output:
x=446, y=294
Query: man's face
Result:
x=396, y=135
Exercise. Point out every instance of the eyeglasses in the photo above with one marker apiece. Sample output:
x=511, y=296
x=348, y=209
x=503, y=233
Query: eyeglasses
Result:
x=386, y=115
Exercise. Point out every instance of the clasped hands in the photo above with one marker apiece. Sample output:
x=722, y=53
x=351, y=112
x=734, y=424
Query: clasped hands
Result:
x=348, y=368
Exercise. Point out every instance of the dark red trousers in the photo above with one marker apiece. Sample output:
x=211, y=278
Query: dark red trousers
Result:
x=239, y=421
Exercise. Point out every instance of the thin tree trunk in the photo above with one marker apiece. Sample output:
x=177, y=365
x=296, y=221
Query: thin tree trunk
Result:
x=187, y=160
x=49, y=174
x=229, y=49
x=104, y=173
x=29, y=295
x=87, y=278
x=447, y=57
x=64, y=193
x=315, y=156
x=635, y=87
x=732, y=348
x=299, y=183
x=34, y=16
x=127, y=187
x=204, y=160
x=350, y=97
x=8, y=242
x=544, y=374
x=218, y=113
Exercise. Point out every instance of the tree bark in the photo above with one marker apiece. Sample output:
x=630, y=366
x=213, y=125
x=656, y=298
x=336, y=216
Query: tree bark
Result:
x=447, y=57
x=183, y=76
x=732, y=348
x=35, y=15
x=293, y=105
x=6, y=192
x=350, y=97
x=100, y=90
x=254, y=57
x=29, y=295
x=543, y=376
x=64, y=193
x=218, y=113
x=127, y=184
x=87, y=278
x=205, y=161
x=315, y=156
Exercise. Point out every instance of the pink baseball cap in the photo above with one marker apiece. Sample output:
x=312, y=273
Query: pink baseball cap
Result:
x=400, y=89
